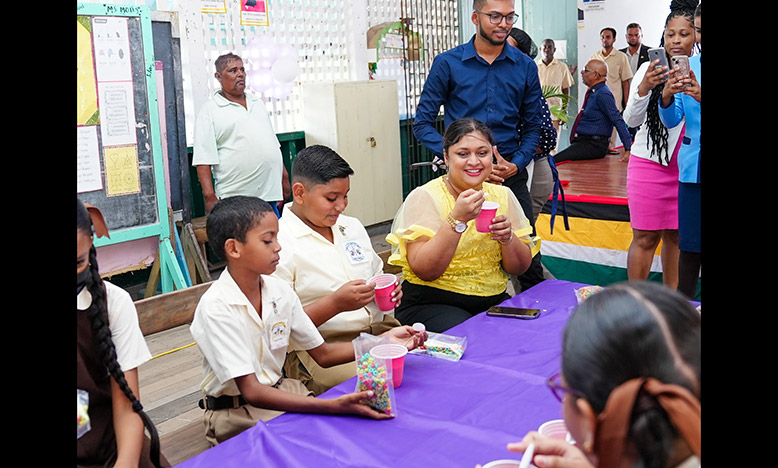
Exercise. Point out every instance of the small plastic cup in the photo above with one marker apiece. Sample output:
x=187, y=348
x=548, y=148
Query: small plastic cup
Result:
x=484, y=219
x=384, y=285
x=394, y=354
x=504, y=464
x=556, y=429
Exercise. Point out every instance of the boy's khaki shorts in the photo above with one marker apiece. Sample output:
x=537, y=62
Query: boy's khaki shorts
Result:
x=223, y=424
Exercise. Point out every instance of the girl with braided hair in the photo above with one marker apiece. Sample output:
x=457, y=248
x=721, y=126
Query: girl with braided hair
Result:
x=629, y=384
x=652, y=174
x=110, y=347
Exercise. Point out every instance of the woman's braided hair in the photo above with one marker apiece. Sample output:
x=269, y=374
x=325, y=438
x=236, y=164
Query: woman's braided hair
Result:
x=657, y=132
x=98, y=318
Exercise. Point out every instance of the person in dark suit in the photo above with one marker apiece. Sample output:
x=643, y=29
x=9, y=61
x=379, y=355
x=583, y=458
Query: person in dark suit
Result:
x=637, y=53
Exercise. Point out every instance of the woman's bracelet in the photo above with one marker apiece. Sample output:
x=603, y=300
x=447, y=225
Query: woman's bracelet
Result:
x=508, y=241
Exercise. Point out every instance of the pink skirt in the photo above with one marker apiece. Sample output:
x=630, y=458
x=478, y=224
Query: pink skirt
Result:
x=652, y=194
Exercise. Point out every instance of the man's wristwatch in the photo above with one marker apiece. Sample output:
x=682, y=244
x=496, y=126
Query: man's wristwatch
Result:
x=457, y=226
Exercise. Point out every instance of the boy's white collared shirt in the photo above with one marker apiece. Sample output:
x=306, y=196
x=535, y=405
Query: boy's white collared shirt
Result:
x=315, y=267
x=235, y=341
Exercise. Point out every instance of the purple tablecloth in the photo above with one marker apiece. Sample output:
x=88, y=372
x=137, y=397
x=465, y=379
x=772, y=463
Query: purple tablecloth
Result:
x=452, y=414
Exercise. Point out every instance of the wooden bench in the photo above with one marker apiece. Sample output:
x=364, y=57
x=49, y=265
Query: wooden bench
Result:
x=170, y=381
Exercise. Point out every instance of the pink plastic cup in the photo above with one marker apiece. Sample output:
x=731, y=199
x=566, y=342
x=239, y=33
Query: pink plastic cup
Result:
x=484, y=219
x=384, y=285
x=395, y=356
x=556, y=429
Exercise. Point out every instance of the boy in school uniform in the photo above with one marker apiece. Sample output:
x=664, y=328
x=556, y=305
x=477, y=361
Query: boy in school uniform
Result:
x=244, y=323
x=327, y=258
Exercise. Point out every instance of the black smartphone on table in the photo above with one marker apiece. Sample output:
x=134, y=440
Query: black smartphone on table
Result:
x=513, y=312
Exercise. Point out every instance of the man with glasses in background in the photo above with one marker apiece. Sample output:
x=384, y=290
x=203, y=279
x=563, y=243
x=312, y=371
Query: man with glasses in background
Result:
x=596, y=120
x=491, y=81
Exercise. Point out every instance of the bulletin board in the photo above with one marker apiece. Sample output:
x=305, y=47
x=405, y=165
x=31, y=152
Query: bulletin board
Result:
x=120, y=167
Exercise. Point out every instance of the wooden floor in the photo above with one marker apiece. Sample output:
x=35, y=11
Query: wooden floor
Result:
x=170, y=390
x=605, y=177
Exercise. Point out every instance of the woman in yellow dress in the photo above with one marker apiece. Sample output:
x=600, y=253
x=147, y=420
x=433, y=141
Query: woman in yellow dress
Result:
x=451, y=270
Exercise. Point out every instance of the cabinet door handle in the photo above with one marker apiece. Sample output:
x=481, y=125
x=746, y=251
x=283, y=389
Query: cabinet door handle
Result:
x=372, y=141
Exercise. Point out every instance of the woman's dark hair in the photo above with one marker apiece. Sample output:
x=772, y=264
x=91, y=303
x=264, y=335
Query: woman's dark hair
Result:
x=657, y=132
x=632, y=330
x=525, y=43
x=461, y=127
x=98, y=317
x=232, y=218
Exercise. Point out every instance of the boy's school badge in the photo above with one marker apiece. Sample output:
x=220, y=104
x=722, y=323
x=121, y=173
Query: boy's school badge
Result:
x=355, y=252
x=279, y=335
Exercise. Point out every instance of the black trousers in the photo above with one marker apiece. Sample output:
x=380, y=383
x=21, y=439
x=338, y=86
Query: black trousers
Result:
x=439, y=309
x=584, y=147
x=518, y=185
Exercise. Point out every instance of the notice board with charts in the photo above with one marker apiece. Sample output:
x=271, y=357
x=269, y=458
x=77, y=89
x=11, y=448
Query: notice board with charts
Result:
x=119, y=158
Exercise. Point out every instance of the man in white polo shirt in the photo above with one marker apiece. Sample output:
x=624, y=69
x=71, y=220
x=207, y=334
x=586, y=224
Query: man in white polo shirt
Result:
x=235, y=142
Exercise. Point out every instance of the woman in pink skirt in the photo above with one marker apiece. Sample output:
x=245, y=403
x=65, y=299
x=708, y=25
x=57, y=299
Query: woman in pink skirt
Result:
x=652, y=174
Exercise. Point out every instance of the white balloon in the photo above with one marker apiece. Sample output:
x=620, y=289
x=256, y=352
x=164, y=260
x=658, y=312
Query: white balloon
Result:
x=285, y=69
x=262, y=50
x=259, y=79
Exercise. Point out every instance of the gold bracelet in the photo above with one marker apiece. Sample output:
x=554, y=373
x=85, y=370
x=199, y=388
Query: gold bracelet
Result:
x=510, y=239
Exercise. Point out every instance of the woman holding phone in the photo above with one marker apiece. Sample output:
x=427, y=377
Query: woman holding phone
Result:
x=652, y=174
x=681, y=101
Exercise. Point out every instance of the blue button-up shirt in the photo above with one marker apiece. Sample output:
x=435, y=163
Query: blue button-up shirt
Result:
x=505, y=95
x=600, y=115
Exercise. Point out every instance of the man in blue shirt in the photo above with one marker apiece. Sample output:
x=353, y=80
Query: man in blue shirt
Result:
x=594, y=125
x=488, y=80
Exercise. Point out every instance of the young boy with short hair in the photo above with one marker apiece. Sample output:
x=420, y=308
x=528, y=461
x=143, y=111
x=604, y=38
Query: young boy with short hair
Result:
x=327, y=259
x=244, y=323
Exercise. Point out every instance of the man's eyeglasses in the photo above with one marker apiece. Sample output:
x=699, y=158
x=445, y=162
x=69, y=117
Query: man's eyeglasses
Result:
x=554, y=383
x=590, y=71
x=496, y=18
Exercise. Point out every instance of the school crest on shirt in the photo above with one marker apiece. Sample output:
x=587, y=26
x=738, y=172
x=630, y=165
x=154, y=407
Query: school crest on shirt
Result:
x=355, y=252
x=279, y=335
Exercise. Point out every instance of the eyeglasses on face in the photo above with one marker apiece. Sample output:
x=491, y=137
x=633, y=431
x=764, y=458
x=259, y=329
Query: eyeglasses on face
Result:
x=554, y=384
x=587, y=70
x=496, y=18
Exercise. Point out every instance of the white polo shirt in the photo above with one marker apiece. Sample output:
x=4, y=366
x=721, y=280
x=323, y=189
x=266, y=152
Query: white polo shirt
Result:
x=236, y=341
x=241, y=147
x=315, y=267
x=131, y=347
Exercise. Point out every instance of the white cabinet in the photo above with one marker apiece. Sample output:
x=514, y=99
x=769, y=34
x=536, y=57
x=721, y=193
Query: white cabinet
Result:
x=360, y=121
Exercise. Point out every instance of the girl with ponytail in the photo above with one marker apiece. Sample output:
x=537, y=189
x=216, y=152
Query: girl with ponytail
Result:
x=629, y=382
x=110, y=347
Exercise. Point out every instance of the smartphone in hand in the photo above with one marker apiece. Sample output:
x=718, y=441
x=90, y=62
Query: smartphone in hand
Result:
x=681, y=67
x=658, y=54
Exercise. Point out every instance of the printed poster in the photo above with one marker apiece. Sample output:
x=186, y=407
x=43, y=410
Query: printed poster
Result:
x=213, y=6
x=117, y=113
x=86, y=92
x=122, y=176
x=88, y=162
x=254, y=13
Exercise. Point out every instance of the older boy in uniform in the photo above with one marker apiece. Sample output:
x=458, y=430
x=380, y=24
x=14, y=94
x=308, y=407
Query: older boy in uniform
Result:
x=244, y=323
x=327, y=258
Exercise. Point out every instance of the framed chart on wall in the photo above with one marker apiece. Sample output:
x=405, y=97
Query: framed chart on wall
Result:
x=120, y=168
